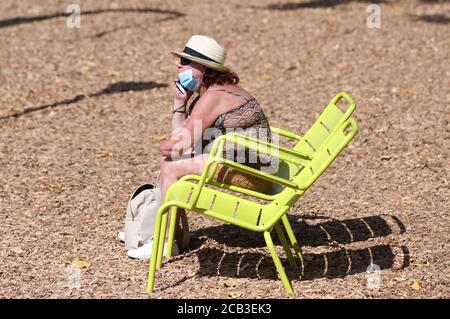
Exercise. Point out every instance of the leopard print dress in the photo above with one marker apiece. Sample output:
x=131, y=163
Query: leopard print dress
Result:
x=246, y=119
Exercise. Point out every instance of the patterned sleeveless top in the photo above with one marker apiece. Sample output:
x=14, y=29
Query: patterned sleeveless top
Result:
x=246, y=119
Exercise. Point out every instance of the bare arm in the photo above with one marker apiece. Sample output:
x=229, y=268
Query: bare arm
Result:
x=178, y=119
x=184, y=137
x=179, y=114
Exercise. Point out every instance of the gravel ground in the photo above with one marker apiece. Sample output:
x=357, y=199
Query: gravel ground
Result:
x=83, y=110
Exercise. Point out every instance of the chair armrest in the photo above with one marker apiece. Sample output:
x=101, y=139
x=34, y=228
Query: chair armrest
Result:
x=281, y=152
x=215, y=160
x=254, y=172
x=216, y=157
x=233, y=188
x=285, y=133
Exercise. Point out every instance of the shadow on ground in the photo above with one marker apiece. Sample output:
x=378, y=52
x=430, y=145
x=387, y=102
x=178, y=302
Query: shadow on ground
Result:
x=434, y=1
x=329, y=232
x=113, y=88
x=432, y=18
x=316, y=4
x=337, y=263
x=24, y=20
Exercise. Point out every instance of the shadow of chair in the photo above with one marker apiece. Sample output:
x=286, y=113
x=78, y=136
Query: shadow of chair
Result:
x=329, y=232
x=334, y=264
x=337, y=263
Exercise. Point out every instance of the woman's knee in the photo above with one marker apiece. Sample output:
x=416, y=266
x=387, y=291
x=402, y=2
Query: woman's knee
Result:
x=182, y=167
x=166, y=167
x=173, y=168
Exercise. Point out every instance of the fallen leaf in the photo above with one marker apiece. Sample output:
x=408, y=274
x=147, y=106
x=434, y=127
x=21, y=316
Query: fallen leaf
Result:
x=13, y=109
x=86, y=171
x=160, y=137
x=416, y=285
x=409, y=200
x=81, y=263
x=291, y=67
x=17, y=250
x=265, y=76
x=234, y=294
x=107, y=154
x=32, y=224
x=419, y=265
x=88, y=66
x=229, y=283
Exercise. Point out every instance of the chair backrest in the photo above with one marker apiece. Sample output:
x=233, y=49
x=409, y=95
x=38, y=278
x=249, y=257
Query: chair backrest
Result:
x=326, y=154
x=316, y=137
x=326, y=125
x=286, y=171
x=312, y=169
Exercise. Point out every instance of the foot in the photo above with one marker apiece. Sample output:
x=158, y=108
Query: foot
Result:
x=145, y=251
x=121, y=236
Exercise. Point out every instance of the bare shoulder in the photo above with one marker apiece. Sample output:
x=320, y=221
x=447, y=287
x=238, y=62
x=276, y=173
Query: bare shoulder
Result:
x=234, y=88
x=206, y=104
x=218, y=100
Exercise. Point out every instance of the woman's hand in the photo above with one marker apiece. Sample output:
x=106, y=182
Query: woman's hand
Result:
x=179, y=98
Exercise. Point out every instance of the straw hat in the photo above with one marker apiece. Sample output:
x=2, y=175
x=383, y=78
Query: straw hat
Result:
x=205, y=51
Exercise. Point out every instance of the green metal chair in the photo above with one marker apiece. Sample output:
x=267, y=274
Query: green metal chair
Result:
x=299, y=168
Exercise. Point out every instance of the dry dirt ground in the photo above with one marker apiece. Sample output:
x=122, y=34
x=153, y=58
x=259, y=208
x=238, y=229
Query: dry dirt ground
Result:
x=82, y=112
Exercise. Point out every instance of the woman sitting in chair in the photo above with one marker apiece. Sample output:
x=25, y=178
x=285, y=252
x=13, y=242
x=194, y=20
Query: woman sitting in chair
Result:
x=221, y=106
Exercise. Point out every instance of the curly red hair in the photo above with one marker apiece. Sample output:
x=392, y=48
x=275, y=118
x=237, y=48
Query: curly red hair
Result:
x=215, y=77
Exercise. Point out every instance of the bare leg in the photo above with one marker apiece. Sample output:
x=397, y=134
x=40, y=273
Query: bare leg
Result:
x=171, y=171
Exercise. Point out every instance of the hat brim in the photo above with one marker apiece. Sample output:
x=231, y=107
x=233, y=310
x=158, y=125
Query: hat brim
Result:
x=209, y=64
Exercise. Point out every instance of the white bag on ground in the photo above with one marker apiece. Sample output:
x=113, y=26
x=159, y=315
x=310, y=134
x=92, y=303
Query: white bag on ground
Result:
x=141, y=215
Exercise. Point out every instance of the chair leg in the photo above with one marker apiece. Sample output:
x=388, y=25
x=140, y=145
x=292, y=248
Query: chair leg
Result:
x=277, y=262
x=173, y=223
x=155, y=247
x=285, y=244
x=162, y=239
x=292, y=238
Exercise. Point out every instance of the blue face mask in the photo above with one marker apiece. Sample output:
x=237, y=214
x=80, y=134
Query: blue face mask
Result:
x=188, y=81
